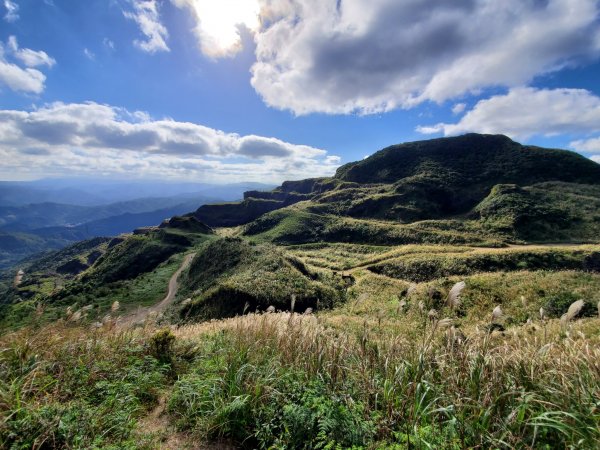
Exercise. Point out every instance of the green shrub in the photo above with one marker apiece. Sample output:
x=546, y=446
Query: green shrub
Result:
x=161, y=345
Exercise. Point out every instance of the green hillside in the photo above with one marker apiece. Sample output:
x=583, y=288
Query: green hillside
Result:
x=229, y=277
x=470, y=189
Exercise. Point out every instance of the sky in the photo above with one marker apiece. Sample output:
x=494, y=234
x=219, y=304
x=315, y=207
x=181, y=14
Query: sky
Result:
x=269, y=90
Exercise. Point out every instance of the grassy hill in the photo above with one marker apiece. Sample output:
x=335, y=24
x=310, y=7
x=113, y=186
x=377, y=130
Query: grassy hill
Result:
x=469, y=189
x=230, y=276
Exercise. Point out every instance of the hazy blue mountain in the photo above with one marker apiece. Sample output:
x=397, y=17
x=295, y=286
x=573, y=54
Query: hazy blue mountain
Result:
x=90, y=192
x=37, y=216
x=41, y=215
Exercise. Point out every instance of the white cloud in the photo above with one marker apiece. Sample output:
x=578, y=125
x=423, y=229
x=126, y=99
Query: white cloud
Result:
x=595, y=158
x=587, y=145
x=218, y=22
x=458, y=108
x=89, y=54
x=12, y=11
x=80, y=138
x=525, y=112
x=366, y=57
x=28, y=57
x=22, y=79
x=145, y=14
x=108, y=44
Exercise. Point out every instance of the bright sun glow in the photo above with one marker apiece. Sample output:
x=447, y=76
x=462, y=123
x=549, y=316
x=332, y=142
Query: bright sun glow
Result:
x=218, y=22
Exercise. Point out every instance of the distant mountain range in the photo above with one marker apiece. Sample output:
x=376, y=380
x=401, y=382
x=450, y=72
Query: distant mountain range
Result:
x=34, y=216
x=93, y=192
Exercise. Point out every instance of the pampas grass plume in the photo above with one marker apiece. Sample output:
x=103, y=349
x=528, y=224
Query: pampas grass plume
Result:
x=453, y=300
x=497, y=313
x=574, y=309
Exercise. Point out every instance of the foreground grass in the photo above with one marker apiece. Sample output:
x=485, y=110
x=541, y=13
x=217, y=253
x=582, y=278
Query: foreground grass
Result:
x=294, y=381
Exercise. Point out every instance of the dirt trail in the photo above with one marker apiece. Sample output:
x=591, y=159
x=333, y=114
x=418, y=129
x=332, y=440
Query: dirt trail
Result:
x=529, y=247
x=141, y=314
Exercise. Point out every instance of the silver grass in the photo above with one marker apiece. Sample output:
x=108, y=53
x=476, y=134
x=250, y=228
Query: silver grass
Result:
x=432, y=314
x=115, y=306
x=598, y=309
x=246, y=306
x=445, y=322
x=271, y=309
x=401, y=305
x=308, y=311
x=293, y=302
x=497, y=313
x=455, y=336
x=411, y=289
x=574, y=309
x=543, y=351
x=542, y=314
x=421, y=306
x=453, y=300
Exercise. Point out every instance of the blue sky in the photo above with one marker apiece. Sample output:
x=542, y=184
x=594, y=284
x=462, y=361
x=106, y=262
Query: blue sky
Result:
x=204, y=90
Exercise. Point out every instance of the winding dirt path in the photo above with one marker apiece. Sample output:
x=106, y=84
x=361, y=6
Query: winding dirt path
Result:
x=141, y=314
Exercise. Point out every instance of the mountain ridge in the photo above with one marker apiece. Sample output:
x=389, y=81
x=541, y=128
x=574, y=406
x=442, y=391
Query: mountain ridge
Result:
x=434, y=180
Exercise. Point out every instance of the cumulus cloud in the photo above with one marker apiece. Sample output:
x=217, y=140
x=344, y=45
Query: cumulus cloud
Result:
x=145, y=14
x=587, y=145
x=12, y=11
x=595, y=158
x=17, y=67
x=354, y=56
x=525, y=112
x=89, y=137
x=218, y=23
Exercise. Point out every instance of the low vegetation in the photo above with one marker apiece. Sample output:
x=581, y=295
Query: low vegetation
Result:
x=299, y=381
x=426, y=267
